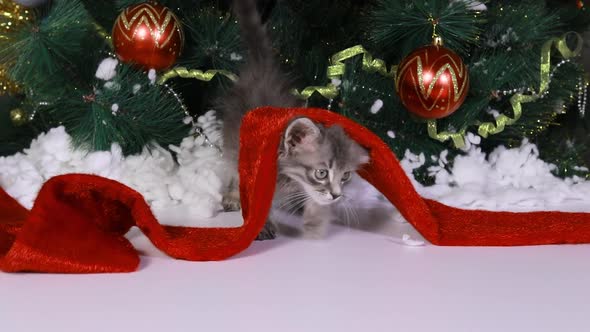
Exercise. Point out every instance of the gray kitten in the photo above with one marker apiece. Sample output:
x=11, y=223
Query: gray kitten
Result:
x=315, y=162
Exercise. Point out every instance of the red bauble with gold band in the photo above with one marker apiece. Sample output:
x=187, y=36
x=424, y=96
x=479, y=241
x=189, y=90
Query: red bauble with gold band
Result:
x=432, y=82
x=149, y=35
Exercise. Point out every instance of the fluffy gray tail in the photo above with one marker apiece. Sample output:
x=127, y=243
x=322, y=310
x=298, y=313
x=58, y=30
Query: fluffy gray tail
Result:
x=253, y=32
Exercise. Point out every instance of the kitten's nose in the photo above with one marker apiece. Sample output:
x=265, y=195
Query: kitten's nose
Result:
x=335, y=196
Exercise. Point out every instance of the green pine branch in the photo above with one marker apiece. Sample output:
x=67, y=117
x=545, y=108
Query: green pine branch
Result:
x=129, y=110
x=213, y=41
x=48, y=49
x=396, y=27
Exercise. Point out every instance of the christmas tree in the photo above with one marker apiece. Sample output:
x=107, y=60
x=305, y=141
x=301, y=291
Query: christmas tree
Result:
x=483, y=103
x=500, y=71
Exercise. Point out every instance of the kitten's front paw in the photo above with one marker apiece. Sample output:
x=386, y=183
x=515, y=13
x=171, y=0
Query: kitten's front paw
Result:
x=269, y=232
x=231, y=202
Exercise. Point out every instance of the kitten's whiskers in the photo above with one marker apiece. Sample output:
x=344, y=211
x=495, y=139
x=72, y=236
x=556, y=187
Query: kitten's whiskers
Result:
x=293, y=202
x=350, y=213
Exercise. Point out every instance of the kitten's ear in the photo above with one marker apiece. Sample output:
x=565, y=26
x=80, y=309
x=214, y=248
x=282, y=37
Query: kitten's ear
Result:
x=362, y=154
x=364, y=157
x=301, y=136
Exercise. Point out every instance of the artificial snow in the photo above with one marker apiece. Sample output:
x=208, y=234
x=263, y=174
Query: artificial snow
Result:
x=187, y=120
x=505, y=39
x=185, y=182
x=507, y=180
x=336, y=82
x=152, y=76
x=470, y=140
x=191, y=185
x=477, y=6
x=495, y=113
x=107, y=69
x=112, y=85
x=390, y=133
x=407, y=240
x=473, y=5
x=376, y=107
x=235, y=56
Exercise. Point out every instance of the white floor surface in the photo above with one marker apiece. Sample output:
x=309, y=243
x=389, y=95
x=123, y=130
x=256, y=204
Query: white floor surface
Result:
x=355, y=280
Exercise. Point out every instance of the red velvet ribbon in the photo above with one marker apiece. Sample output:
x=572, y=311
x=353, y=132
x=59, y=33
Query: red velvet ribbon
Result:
x=78, y=222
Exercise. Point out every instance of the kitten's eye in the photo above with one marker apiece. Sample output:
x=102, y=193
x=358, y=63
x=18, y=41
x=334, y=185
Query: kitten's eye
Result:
x=321, y=174
x=346, y=176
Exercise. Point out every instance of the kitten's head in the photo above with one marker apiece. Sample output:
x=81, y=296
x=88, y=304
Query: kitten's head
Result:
x=322, y=160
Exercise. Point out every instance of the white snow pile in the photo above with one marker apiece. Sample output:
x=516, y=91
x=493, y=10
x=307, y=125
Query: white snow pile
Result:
x=192, y=185
x=107, y=69
x=473, y=5
x=507, y=180
x=377, y=106
x=190, y=189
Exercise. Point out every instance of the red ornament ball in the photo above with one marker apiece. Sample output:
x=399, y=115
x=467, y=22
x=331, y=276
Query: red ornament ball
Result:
x=148, y=35
x=432, y=82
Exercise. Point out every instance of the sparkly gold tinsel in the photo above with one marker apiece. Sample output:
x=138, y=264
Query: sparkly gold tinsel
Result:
x=7, y=87
x=102, y=33
x=370, y=64
x=458, y=138
x=195, y=73
x=18, y=116
x=518, y=99
x=337, y=68
x=12, y=16
x=490, y=128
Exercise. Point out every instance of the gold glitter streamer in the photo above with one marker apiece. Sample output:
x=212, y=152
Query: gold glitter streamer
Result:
x=329, y=91
x=195, y=74
x=369, y=64
x=12, y=17
x=7, y=86
x=104, y=34
x=489, y=128
x=337, y=69
x=458, y=138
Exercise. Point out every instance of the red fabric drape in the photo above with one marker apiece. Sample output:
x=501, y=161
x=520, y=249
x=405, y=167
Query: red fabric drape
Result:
x=78, y=222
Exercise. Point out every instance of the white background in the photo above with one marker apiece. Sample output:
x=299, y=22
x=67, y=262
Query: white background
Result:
x=355, y=280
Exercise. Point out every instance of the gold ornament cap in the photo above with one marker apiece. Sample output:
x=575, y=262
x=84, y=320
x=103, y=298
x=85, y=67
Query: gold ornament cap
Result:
x=437, y=40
